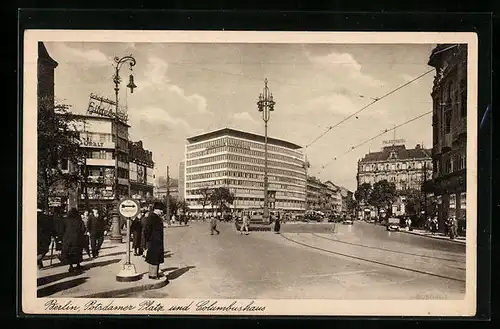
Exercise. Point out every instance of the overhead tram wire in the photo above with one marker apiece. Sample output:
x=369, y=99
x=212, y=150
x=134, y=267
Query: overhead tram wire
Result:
x=366, y=106
x=376, y=136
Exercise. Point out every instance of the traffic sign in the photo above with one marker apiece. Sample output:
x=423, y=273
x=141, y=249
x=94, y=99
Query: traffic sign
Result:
x=128, y=208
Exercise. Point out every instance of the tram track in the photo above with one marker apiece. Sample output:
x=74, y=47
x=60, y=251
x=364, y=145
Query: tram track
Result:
x=389, y=250
x=371, y=260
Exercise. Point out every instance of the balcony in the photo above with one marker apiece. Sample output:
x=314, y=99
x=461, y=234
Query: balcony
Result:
x=446, y=143
x=101, y=162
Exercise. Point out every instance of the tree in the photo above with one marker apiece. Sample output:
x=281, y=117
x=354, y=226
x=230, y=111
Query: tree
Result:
x=205, y=192
x=363, y=192
x=183, y=206
x=383, y=195
x=220, y=198
x=172, y=202
x=58, y=145
x=413, y=200
x=351, y=204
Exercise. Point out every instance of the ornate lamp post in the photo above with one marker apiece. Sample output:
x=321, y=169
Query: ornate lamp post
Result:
x=116, y=235
x=265, y=104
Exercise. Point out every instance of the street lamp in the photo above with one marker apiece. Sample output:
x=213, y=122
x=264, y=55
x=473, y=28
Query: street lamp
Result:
x=116, y=235
x=265, y=104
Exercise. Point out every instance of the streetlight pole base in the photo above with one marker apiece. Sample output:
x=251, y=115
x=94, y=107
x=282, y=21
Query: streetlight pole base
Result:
x=128, y=274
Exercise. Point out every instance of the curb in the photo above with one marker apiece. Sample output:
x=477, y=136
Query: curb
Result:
x=435, y=237
x=113, y=293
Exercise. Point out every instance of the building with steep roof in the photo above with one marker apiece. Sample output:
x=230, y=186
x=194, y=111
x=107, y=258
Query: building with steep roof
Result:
x=406, y=168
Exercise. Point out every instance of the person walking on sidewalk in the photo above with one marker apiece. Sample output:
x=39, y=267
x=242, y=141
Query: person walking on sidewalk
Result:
x=96, y=230
x=244, y=224
x=213, y=224
x=45, y=233
x=453, y=227
x=153, y=233
x=136, y=229
x=277, y=224
x=86, y=235
x=144, y=220
x=73, y=239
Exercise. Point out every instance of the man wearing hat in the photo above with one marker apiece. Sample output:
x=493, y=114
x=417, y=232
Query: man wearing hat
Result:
x=153, y=234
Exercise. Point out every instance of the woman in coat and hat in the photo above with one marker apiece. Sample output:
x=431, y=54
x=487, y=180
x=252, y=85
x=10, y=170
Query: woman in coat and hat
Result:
x=153, y=235
x=73, y=240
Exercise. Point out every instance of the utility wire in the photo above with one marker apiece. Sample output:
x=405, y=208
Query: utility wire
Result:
x=366, y=106
x=374, y=137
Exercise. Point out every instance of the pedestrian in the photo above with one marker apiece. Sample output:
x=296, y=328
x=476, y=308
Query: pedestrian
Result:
x=244, y=224
x=453, y=227
x=45, y=233
x=86, y=235
x=73, y=238
x=136, y=229
x=144, y=220
x=153, y=233
x=96, y=228
x=213, y=224
x=277, y=224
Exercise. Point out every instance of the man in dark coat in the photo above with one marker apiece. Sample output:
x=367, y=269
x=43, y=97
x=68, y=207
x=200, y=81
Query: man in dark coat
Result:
x=96, y=227
x=277, y=224
x=153, y=233
x=73, y=237
x=144, y=220
x=136, y=230
x=45, y=232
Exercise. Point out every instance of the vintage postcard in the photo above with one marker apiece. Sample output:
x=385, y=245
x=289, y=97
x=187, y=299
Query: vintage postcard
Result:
x=249, y=173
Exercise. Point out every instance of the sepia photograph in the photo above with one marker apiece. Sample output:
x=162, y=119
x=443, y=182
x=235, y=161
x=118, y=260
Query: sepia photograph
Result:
x=249, y=173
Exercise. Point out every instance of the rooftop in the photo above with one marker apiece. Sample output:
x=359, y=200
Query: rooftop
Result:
x=242, y=134
x=98, y=117
x=401, y=153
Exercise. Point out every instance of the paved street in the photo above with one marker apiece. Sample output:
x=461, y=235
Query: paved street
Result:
x=362, y=261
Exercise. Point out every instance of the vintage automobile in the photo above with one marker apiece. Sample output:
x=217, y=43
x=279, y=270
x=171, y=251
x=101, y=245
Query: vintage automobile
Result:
x=393, y=224
x=347, y=221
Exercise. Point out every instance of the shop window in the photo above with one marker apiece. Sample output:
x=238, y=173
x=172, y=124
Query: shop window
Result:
x=453, y=200
x=463, y=200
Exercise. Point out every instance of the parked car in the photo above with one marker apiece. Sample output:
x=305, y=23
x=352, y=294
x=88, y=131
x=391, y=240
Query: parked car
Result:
x=393, y=224
x=347, y=221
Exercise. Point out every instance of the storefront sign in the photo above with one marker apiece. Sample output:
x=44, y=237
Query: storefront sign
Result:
x=104, y=107
x=92, y=143
x=394, y=141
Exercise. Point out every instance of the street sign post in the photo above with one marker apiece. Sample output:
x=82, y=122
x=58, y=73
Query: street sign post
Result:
x=129, y=209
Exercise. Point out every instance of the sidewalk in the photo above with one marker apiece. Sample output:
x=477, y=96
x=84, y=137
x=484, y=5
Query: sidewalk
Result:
x=98, y=279
x=441, y=236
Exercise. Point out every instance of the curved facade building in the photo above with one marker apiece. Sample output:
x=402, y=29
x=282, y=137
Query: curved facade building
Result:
x=235, y=159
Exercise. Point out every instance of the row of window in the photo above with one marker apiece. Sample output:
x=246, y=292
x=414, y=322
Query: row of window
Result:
x=396, y=166
x=233, y=157
x=244, y=167
x=97, y=137
x=106, y=155
x=247, y=151
x=255, y=203
x=240, y=174
x=452, y=163
x=229, y=141
x=234, y=182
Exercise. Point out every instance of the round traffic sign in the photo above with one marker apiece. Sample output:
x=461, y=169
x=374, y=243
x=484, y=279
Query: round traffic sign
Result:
x=128, y=208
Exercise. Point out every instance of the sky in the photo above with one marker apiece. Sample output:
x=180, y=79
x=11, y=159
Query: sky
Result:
x=186, y=89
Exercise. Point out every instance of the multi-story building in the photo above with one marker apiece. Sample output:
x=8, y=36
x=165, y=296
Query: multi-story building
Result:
x=235, y=159
x=406, y=168
x=314, y=191
x=141, y=174
x=449, y=123
x=346, y=196
x=334, y=197
x=162, y=192
x=45, y=74
x=182, y=176
x=97, y=135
